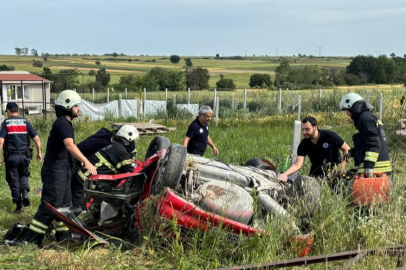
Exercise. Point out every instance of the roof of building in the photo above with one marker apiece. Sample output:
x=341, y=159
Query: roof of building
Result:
x=20, y=76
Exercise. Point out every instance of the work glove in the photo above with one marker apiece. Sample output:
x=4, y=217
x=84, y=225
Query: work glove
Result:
x=369, y=173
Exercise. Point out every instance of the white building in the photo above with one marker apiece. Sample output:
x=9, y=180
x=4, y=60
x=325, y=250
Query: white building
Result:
x=31, y=92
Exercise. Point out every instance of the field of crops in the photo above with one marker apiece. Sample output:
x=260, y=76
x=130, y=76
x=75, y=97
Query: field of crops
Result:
x=238, y=70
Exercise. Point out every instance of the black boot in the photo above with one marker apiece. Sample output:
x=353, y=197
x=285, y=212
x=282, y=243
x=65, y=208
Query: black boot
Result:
x=19, y=208
x=26, y=200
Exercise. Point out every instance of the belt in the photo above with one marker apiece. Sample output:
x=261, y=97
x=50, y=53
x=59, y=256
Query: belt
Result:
x=17, y=152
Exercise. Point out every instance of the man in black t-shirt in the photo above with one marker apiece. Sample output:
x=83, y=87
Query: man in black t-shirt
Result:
x=197, y=136
x=322, y=147
x=55, y=173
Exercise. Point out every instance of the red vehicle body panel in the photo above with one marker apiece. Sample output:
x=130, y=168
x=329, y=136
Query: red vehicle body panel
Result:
x=190, y=216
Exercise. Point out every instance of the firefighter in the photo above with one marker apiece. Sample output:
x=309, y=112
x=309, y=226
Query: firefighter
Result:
x=370, y=152
x=55, y=172
x=15, y=139
x=112, y=159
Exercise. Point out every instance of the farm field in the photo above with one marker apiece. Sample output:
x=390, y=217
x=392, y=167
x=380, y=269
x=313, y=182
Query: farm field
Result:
x=239, y=70
x=338, y=226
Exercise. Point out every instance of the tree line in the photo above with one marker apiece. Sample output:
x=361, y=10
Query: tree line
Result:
x=361, y=70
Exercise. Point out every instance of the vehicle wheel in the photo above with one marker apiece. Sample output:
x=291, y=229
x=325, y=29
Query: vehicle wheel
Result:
x=304, y=198
x=260, y=163
x=254, y=162
x=157, y=144
x=171, y=169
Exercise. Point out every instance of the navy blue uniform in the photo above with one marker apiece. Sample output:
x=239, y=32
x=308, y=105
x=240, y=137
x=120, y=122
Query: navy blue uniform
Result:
x=198, y=135
x=16, y=132
x=324, y=154
x=56, y=189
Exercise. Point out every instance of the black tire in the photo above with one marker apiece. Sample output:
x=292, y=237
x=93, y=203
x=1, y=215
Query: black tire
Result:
x=171, y=169
x=157, y=144
x=304, y=198
x=260, y=163
x=305, y=191
x=254, y=162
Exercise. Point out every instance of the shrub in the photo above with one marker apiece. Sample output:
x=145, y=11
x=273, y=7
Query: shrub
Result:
x=37, y=63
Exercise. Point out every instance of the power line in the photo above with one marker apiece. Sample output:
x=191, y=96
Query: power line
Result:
x=320, y=48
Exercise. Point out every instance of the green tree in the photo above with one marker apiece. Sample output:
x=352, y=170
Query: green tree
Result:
x=92, y=72
x=65, y=79
x=174, y=59
x=188, y=62
x=197, y=78
x=225, y=83
x=97, y=62
x=47, y=73
x=171, y=79
x=34, y=52
x=24, y=51
x=282, y=72
x=36, y=63
x=103, y=77
x=115, y=54
x=18, y=50
x=260, y=80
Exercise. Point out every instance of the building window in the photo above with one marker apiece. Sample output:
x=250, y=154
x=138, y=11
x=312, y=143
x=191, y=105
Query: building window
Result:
x=16, y=92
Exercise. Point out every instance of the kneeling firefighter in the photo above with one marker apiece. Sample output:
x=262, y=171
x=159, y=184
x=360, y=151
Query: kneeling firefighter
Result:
x=112, y=159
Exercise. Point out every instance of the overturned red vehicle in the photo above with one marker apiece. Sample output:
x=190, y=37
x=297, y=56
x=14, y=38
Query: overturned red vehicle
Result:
x=197, y=192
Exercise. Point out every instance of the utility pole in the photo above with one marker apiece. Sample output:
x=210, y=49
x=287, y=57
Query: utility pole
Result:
x=245, y=53
x=276, y=51
x=320, y=48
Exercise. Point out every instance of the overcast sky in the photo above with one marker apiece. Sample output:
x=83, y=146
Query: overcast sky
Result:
x=205, y=27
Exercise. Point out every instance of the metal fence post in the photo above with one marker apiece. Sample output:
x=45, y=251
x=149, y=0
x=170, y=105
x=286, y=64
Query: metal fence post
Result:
x=144, y=100
x=108, y=95
x=174, y=100
x=233, y=102
x=280, y=100
x=126, y=94
x=166, y=95
x=215, y=98
x=299, y=108
x=380, y=106
x=119, y=105
x=188, y=95
x=368, y=97
x=217, y=110
x=320, y=93
x=92, y=94
x=244, y=106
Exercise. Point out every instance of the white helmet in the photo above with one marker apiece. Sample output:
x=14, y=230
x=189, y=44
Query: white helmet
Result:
x=348, y=100
x=68, y=99
x=128, y=132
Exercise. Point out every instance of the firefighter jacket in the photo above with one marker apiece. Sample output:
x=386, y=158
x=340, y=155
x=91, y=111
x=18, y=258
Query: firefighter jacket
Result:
x=370, y=147
x=111, y=159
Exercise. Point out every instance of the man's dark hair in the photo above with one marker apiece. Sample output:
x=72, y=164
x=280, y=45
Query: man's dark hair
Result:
x=311, y=120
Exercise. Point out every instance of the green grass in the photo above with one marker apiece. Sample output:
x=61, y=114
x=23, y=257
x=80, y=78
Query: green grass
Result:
x=338, y=226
